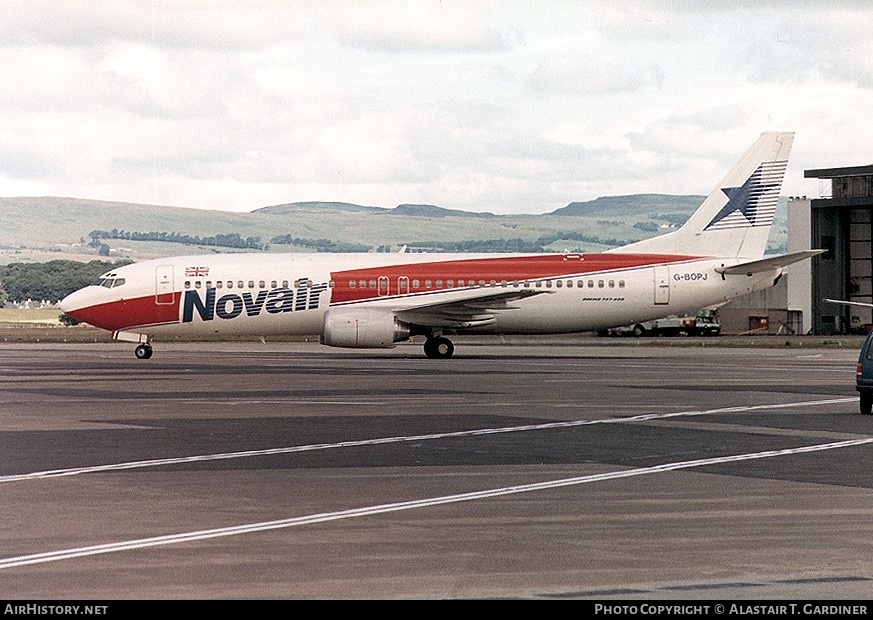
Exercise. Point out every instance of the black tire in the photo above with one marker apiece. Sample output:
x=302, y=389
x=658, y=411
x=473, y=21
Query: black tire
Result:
x=639, y=331
x=866, y=403
x=439, y=348
x=143, y=352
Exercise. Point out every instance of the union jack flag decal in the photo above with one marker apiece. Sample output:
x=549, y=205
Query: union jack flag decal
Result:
x=196, y=272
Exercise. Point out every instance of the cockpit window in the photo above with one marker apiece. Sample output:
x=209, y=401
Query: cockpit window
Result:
x=109, y=282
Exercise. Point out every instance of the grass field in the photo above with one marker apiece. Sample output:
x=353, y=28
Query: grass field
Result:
x=16, y=316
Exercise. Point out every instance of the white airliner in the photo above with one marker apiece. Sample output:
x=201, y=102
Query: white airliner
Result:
x=376, y=300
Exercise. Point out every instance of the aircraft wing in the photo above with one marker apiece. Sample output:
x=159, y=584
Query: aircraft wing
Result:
x=768, y=264
x=471, y=311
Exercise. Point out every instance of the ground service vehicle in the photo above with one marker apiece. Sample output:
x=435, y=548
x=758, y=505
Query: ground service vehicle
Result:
x=670, y=326
x=864, y=375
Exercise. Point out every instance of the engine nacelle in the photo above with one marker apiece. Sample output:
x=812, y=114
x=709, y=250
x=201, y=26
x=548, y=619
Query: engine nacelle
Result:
x=358, y=328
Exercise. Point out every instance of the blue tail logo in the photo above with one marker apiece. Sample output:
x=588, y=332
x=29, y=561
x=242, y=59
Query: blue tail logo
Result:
x=754, y=202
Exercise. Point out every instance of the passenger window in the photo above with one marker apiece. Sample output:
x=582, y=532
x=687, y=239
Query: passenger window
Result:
x=197, y=284
x=240, y=284
x=439, y=283
x=416, y=284
x=274, y=284
x=262, y=284
x=362, y=283
x=219, y=284
x=372, y=284
x=559, y=283
x=428, y=283
x=251, y=284
x=351, y=284
x=621, y=284
x=450, y=284
x=209, y=284
x=187, y=284
x=285, y=284
x=612, y=284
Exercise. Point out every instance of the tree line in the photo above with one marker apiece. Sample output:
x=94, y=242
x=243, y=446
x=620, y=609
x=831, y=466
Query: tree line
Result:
x=50, y=281
x=539, y=245
x=320, y=245
x=228, y=240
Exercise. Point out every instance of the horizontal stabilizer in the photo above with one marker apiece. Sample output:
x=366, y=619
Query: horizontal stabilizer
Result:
x=768, y=264
x=850, y=303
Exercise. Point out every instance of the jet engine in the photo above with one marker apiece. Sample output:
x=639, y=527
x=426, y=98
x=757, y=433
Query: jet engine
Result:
x=359, y=328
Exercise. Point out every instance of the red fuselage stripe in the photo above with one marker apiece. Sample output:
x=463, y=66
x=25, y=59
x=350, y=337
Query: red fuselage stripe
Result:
x=373, y=282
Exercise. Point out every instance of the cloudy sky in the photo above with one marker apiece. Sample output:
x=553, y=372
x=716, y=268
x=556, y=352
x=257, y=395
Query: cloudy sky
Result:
x=509, y=107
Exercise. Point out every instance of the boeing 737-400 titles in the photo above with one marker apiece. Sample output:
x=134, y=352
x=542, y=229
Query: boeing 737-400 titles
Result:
x=376, y=300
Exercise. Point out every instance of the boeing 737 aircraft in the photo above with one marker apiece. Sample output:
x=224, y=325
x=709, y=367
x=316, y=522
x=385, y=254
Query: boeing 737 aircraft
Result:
x=377, y=300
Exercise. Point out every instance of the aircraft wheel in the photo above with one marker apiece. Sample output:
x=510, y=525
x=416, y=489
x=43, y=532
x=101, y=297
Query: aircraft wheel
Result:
x=639, y=331
x=439, y=348
x=143, y=351
x=866, y=403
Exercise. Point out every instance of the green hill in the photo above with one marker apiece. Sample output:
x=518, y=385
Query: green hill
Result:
x=639, y=204
x=41, y=229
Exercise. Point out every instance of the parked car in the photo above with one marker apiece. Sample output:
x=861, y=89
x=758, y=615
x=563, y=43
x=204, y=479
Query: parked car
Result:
x=864, y=375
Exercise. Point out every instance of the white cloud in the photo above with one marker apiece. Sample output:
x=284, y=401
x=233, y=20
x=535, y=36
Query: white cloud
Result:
x=416, y=26
x=585, y=75
x=509, y=107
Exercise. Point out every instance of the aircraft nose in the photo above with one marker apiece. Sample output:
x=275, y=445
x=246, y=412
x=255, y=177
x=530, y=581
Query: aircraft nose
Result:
x=72, y=302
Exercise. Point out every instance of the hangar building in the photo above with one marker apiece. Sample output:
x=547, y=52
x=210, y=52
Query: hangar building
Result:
x=842, y=225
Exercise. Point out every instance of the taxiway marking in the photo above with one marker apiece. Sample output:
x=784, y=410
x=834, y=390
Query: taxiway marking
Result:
x=74, y=471
x=170, y=539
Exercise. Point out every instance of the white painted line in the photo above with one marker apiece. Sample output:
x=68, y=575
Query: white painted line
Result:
x=171, y=539
x=74, y=471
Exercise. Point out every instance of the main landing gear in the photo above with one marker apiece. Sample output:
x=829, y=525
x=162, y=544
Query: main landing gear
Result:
x=143, y=351
x=438, y=347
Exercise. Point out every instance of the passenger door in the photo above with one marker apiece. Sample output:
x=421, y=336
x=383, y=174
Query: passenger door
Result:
x=165, y=292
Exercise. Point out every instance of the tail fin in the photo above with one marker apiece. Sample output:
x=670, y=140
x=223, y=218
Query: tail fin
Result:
x=735, y=218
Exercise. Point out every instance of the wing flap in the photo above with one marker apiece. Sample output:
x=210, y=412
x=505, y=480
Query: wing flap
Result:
x=470, y=311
